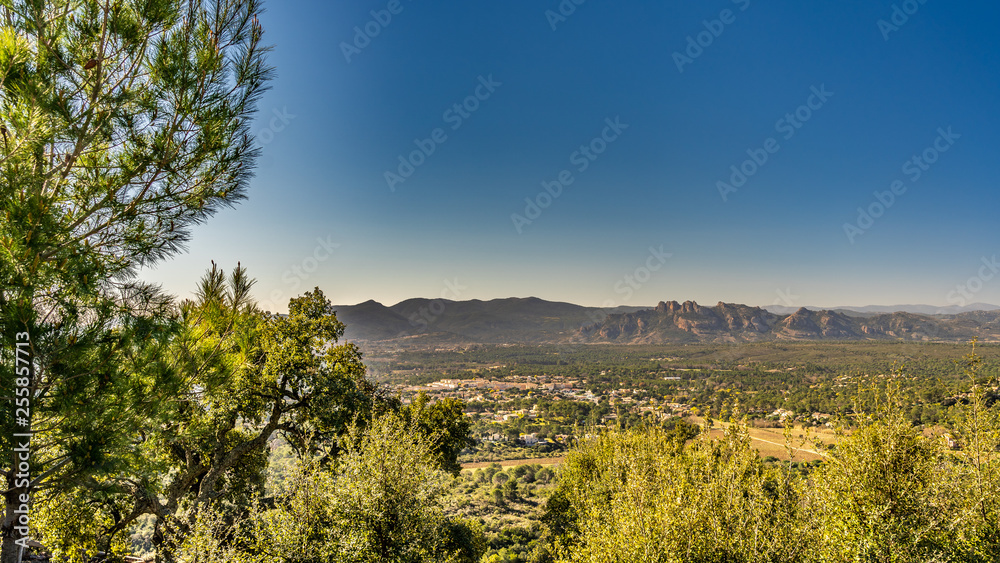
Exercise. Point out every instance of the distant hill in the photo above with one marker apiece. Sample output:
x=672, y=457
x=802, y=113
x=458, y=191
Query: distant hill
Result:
x=426, y=322
x=869, y=310
x=687, y=322
x=372, y=320
x=671, y=322
x=496, y=321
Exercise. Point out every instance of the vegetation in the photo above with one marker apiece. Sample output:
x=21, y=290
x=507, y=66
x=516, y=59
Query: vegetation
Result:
x=800, y=377
x=510, y=505
x=121, y=125
x=381, y=500
x=209, y=430
x=276, y=447
x=886, y=493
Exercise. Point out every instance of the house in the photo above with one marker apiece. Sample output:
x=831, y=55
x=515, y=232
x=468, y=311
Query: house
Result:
x=782, y=414
x=950, y=441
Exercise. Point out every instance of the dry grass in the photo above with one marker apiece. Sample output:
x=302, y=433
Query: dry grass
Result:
x=515, y=462
x=771, y=441
x=767, y=442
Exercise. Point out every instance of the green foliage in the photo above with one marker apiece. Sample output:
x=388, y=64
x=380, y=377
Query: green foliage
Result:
x=511, y=522
x=237, y=378
x=380, y=501
x=890, y=493
x=385, y=496
x=299, y=527
x=464, y=540
x=244, y=376
x=886, y=494
x=510, y=491
x=207, y=535
x=978, y=432
x=654, y=493
x=122, y=124
x=636, y=496
x=73, y=523
x=445, y=423
x=370, y=484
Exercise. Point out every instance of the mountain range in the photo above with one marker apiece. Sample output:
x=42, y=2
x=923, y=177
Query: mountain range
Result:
x=673, y=322
x=496, y=321
x=531, y=320
x=872, y=309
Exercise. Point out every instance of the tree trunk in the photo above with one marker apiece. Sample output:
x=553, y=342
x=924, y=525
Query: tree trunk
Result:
x=10, y=552
x=17, y=499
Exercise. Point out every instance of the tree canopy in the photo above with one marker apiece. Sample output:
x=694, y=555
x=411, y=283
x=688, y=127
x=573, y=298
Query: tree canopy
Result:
x=122, y=124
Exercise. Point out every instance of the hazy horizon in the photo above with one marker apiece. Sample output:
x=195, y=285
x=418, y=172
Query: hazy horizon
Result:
x=812, y=306
x=601, y=153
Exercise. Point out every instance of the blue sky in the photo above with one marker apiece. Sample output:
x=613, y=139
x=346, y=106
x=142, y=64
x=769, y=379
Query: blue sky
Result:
x=693, y=86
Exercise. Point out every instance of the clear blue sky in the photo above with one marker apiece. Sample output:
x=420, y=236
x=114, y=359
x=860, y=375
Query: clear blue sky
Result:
x=331, y=128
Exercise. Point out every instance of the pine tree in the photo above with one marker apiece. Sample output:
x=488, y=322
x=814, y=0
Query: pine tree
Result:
x=122, y=124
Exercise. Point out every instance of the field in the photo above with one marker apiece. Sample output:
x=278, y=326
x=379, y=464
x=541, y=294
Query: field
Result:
x=771, y=442
x=543, y=461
